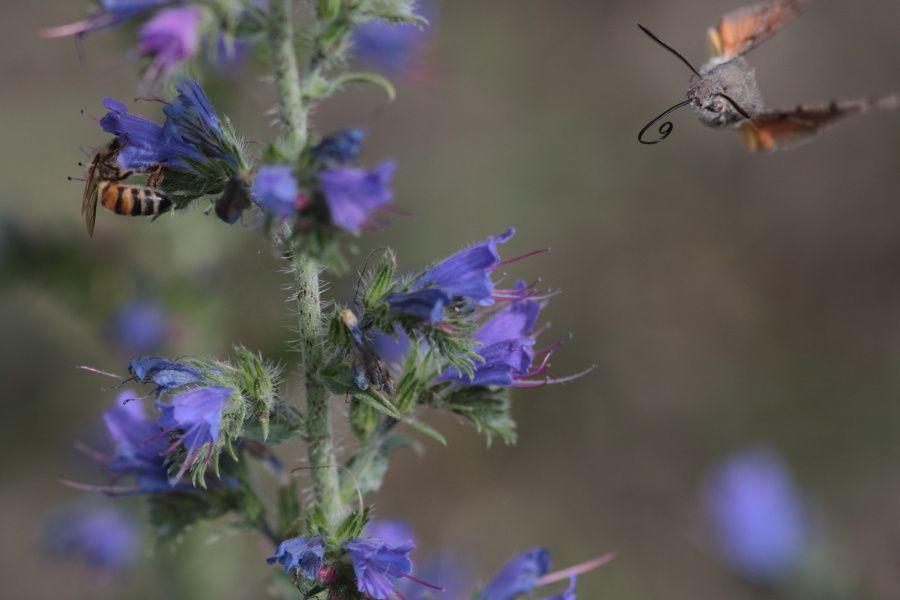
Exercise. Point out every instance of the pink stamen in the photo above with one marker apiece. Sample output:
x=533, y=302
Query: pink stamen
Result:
x=106, y=489
x=541, y=367
x=510, y=261
x=174, y=445
x=157, y=436
x=527, y=383
x=576, y=570
x=90, y=117
x=76, y=28
x=90, y=452
x=425, y=583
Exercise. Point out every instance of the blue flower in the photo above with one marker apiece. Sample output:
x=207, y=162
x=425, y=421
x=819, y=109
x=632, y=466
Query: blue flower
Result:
x=104, y=536
x=353, y=195
x=759, y=519
x=191, y=117
x=303, y=554
x=506, y=346
x=519, y=576
x=170, y=38
x=146, y=143
x=275, y=190
x=568, y=594
x=137, y=445
x=378, y=566
x=341, y=147
x=393, y=532
x=109, y=14
x=392, y=47
x=465, y=275
x=140, y=327
x=198, y=414
x=166, y=374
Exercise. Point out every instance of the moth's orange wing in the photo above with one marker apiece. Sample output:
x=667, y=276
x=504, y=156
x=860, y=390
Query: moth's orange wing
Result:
x=782, y=129
x=742, y=30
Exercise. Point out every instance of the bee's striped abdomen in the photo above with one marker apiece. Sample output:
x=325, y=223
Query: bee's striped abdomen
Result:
x=133, y=200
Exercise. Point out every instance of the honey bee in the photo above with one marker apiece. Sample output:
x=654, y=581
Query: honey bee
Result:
x=103, y=184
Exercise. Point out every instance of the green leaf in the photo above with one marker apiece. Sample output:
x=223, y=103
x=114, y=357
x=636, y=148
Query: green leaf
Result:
x=486, y=408
x=427, y=430
x=366, y=469
x=373, y=398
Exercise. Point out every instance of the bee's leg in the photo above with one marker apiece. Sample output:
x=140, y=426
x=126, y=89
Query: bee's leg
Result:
x=156, y=176
x=123, y=175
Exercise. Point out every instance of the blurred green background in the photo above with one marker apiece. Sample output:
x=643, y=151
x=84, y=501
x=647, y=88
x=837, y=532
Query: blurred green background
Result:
x=727, y=298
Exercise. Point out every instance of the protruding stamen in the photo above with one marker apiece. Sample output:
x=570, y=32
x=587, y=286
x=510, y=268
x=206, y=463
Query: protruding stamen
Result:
x=510, y=261
x=91, y=452
x=576, y=570
x=105, y=489
x=526, y=383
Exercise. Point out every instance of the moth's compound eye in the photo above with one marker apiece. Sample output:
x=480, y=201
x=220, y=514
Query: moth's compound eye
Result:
x=716, y=106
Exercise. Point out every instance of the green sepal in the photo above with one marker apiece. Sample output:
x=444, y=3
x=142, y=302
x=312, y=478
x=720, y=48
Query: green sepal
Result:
x=363, y=420
x=352, y=526
x=486, y=408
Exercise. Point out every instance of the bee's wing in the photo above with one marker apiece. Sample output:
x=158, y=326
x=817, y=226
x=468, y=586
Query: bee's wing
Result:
x=782, y=129
x=744, y=29
x=89, y=200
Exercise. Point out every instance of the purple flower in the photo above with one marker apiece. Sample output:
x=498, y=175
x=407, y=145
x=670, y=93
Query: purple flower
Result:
x=171, y=38
x=137, y=445
x=105, y=537
x=353, y=195
x=506, y=346
x=303, y=554
x=341, y=147
x=166, y=374
x=395, y=48
x=146, y=143
x=759, y=519
x=198, y=414
x=275, y=190
x=519, y=576
x=140, y=327
x=568, y=594
x=393, y=532
x=465, y=275
x=110, y=14
x=379, y=566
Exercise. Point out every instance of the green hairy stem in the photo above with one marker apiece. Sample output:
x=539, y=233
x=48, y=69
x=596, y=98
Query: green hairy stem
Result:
x=287, y=77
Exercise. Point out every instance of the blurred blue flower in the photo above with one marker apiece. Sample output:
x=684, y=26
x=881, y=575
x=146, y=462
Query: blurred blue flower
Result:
x=465, y=275
x=379, y=566
x=395, y=48
x=303, y=554
x=146, y=143
x=106, y=537
x=137, y=444
x=167, y=374
x=275, y=190
x=759, y=520
x=341, y=147
x=394, y=532
x=353, y=195
x=140, y=327
x=519, y=576
x=170, y=38
x=109, y=14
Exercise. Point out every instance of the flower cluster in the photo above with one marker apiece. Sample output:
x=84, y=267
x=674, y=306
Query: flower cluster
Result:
x=382, y=568
x=175, y=31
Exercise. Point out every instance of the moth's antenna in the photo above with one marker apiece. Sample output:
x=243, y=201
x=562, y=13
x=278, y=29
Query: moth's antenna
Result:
x=670, y=49
x=665, y=129
x=737, y=106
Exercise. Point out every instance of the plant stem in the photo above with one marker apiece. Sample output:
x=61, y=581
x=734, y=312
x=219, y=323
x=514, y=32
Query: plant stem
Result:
x=287, y=78
x=319, y=442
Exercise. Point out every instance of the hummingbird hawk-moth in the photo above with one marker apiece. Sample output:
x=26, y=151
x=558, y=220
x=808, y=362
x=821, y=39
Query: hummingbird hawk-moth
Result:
x=724, y=92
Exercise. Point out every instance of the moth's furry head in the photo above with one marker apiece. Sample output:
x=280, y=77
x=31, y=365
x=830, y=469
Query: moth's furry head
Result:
x=725, y=93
